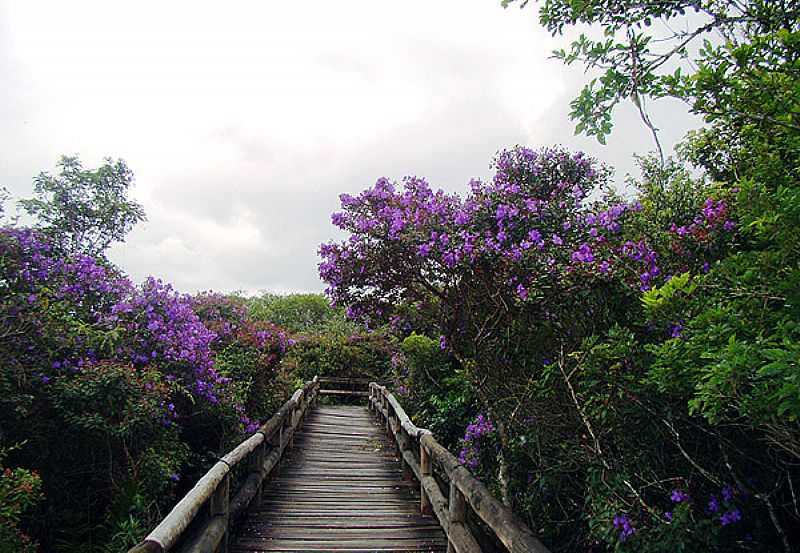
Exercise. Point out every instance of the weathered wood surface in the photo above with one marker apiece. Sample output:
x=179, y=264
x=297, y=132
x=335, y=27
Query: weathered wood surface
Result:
x=340, y=489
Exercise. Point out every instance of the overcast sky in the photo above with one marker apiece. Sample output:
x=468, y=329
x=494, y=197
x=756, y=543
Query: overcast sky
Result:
x=244, y=121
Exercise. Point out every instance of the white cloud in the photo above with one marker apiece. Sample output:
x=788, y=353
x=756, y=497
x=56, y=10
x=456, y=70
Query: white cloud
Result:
x=243, y=121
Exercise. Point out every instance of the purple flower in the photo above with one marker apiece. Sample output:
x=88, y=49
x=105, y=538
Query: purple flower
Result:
x=442, y=342
x=522, y=292
x=727, y=492
x=175, y=477
x=730, y=517
x=679, y=496
x=713, y=504
x=583, y=254
x=668, y=516
x=623, y=524
x=675, y=330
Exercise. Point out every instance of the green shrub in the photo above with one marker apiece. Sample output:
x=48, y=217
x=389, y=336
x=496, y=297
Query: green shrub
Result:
x=20, y=489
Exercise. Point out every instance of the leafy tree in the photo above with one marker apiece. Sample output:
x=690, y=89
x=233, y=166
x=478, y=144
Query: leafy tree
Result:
x=84, y=210
x=301, y=313
x=705, y=53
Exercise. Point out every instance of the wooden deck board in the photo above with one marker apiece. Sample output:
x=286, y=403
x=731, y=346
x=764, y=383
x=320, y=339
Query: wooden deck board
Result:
x=339, y=489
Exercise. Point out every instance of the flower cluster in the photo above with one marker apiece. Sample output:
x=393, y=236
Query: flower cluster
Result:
x=622, y=523
x=475, y=433
x=163, y=328
x=723, y=506
x=712, y=222
x=679, y=496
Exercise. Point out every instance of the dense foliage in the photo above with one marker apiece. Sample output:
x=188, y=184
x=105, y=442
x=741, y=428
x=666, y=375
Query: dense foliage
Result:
x=308, y=314
x=624, y=368
x=115, y=396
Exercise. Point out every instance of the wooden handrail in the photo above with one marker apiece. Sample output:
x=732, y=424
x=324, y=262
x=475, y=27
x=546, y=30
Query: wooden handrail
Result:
x=418, y=449
x=263, y=450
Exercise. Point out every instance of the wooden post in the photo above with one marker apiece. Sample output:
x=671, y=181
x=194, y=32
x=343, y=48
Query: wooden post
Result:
x=396, y=437
x=403, y=441
x=457, y=513
x=257, y=459
x=291, y=425
x=219, y=506
x=280, y=449
x=388, y=418
x=425, y=470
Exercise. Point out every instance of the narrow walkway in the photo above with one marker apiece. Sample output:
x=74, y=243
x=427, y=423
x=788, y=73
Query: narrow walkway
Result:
x=340, y=489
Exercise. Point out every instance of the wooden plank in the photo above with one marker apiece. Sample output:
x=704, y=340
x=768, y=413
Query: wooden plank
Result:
x=329, y=392
x=364, y=544
x=310, y=533
x=350, y=522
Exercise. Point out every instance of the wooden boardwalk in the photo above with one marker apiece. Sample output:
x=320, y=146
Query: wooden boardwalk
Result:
x=339, y=489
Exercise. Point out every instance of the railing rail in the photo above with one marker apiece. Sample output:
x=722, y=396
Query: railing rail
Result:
x=418, y=450
x=343, y=386
x=262, y=451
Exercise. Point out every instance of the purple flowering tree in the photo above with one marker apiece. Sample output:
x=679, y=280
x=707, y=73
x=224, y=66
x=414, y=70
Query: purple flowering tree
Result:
x=522, y=268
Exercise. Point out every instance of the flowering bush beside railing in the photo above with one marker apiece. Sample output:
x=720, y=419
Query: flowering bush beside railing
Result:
x=122, y=393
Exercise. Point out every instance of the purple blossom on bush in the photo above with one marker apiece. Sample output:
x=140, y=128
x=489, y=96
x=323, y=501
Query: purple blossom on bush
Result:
x=623, y=523
x=679, y=496
x=475, y=432
x=727, y=492
x=730, y=517
x=583, y=254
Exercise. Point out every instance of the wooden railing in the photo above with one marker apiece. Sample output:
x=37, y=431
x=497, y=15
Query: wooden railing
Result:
x=195, y=531
x=343, y=386
x=419, y=452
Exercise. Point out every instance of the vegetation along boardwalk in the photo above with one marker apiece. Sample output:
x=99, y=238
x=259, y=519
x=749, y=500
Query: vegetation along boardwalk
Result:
x=352, y=478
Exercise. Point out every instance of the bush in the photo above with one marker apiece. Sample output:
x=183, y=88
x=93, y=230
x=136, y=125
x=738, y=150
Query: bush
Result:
x=354, y=356
x=20, y=489
x=430, y=386
x=307, y=314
